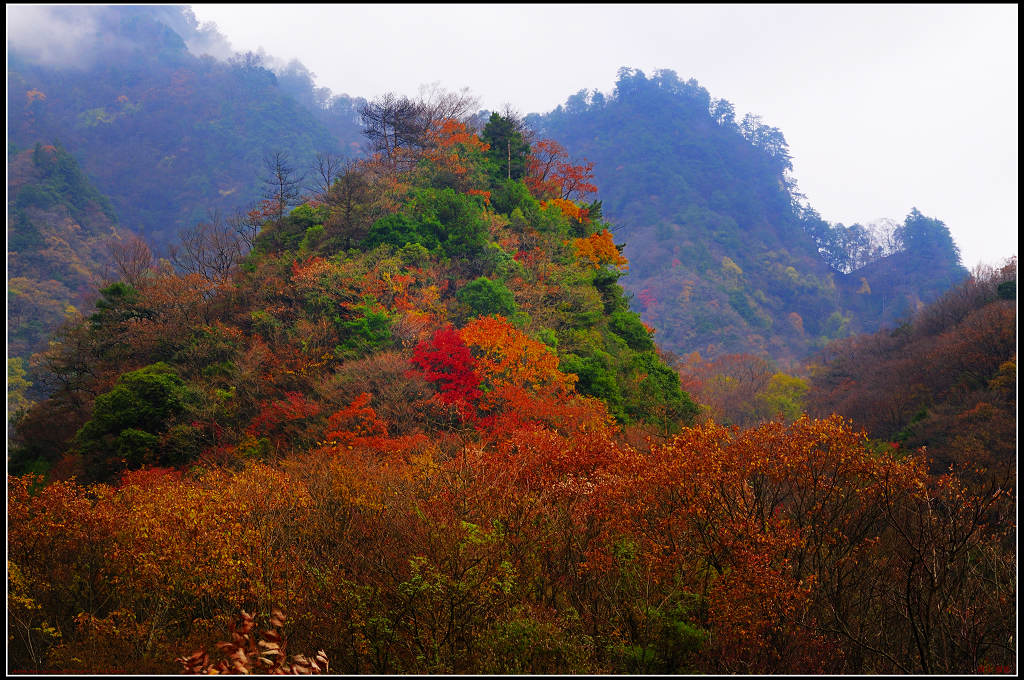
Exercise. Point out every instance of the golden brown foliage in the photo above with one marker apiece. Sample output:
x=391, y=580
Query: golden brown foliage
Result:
x=785, y=548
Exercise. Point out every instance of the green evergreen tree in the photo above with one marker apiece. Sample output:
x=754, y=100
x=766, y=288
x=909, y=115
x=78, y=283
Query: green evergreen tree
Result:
x=508, y=149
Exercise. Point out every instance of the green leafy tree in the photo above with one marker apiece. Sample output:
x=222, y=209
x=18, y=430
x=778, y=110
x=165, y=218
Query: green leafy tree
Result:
x=128, y=420
x=118, y=302
x=658, y=397
x=400, y=230
x=17, y=385
x=436, y=219
x=628, y=326
x=927, y=236
x=783, y=396
x=462, y=230
x=367, y=332
x=508, y=148
x=508, y=196
x=596, y=379
x=485, y=297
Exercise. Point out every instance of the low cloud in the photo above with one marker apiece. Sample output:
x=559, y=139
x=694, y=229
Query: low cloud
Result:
x=200, y=39
x=54, y=36
x=76, y=36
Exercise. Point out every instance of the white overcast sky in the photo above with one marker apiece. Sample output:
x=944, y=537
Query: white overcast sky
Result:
x=885, y=107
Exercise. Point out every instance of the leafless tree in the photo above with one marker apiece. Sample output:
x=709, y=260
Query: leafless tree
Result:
x=281, y=182
x=438, y=104
x=247, y=223
x=392, y=123
x=132, y=258
x=328, y=167
x=883, y=236
x=396, y=125
x=212, y=249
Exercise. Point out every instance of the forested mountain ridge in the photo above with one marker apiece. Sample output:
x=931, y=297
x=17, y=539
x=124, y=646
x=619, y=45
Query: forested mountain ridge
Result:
x=167, y=134
x=724, y=256
x=426, y=235
x=174, y=128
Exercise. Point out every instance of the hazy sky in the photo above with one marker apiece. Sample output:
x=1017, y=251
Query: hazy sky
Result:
x=884, y=107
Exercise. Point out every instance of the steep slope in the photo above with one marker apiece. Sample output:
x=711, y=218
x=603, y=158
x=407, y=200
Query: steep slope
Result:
x=168, y=135
x=724, y=259
x=60, y=230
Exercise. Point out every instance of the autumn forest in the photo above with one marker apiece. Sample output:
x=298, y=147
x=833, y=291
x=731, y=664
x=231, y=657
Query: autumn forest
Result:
x=397, y=385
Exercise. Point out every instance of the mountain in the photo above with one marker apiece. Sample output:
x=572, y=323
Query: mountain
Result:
x=60, y=233
x=168, y=123
x=177, y=129
x=724, y=257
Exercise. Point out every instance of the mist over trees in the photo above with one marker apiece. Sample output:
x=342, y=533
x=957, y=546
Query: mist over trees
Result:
x=61, y=243
x=166, y=132
x=687, y=178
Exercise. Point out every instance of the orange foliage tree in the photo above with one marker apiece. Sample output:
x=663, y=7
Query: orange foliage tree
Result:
x=520, y=381
x=568, y=208
x=600, y=250
x=802, y=548
x=549, y=175
x=456, y=155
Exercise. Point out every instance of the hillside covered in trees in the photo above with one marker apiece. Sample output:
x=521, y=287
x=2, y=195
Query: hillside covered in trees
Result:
x=59, y=232
x=414, y=413
x=165, y=120
x=945, y=379
x=62, y=235
x=435, y=256
x=378, y=388
x=177, y=129
x=63, y=242
x=725, y=258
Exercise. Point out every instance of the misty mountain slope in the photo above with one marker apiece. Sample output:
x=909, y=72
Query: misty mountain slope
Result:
x=167, y=135
x=723, y=257
x=59, y=231
x=888, y=289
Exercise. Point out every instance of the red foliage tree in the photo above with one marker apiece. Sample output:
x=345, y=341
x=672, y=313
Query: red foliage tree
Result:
x=445, y=359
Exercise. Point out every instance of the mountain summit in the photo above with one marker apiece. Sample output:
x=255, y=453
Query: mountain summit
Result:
x=725, y=257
